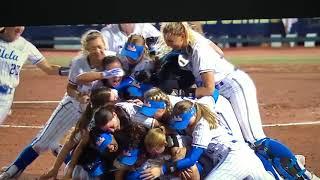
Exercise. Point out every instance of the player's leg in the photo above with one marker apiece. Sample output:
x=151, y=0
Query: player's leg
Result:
x=3, y=113
x=234, y=168
x=240, y=90
x=62, y=119
x=5, y=106
x=227, y=118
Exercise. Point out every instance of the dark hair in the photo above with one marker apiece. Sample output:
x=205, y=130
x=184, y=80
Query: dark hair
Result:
x=131, y=136
x=106, y=61
x=123, y=116
x=103, y=115
x=98, y=97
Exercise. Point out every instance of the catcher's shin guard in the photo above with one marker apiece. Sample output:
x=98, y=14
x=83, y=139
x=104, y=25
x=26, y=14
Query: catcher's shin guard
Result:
x=281, y=157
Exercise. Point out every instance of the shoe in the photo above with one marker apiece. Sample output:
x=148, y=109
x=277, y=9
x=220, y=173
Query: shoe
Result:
x=3, y=169
x=4, y=176
x=301, y=159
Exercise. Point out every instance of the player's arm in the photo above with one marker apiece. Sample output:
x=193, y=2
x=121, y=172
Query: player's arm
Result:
x=53, y=172
x=88, y=77
x=76, y=154
x=171, y=167
x=208, y=86
x=52, y=69
x=72, y=91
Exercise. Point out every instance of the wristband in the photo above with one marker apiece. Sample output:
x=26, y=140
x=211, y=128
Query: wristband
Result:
x=64, y=71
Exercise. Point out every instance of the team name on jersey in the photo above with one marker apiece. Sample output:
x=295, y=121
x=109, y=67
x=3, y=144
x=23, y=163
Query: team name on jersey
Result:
x=8, y=55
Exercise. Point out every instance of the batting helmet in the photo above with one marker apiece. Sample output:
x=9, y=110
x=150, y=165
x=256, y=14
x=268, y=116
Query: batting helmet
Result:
x=172, y=75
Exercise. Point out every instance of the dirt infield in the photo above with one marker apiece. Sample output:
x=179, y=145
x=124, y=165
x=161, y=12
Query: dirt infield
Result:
x=286, y=94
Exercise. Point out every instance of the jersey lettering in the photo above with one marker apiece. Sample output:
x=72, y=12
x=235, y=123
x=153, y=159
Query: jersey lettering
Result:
x=14, y=69
x=6, y=55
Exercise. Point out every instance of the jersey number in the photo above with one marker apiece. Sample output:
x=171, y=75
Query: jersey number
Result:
x=14, y=70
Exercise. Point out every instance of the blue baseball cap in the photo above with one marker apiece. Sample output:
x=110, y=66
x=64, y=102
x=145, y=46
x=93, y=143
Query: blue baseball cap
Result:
x=132, y=50
x=130, y=158
x=103, y=140
x=150, y=107
x=181, y=121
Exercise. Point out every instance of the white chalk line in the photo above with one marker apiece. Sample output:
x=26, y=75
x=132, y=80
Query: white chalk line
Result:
x=47, y=102
x=265, y=125
x=44, y=102
x=34, y=102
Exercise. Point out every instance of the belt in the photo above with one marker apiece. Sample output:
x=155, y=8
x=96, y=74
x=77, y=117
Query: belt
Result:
x=5, y=89
x=219, y=85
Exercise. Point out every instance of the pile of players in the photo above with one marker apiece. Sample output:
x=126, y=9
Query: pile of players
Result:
x=148, y=104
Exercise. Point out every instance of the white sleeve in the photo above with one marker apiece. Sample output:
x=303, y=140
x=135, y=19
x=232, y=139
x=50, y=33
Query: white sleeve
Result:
x=208, y=101
x=205, y=57
x=75, y=69
x=174, y=99
x=107, y=37
x=146, y=121
x=34, y=54
x=150, y=31
x=201, y=134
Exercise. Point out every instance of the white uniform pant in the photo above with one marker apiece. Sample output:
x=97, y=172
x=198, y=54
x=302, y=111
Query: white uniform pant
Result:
x=240, y=90
x=241, y=163
x=5, y=105
x=227, y=118
x=64, y=117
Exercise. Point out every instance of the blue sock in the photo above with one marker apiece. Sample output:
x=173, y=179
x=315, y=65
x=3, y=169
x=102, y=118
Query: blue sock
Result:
x=26, y=157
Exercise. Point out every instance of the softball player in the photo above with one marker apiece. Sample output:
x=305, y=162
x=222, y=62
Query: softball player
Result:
x=14, y=51
x=69, y=109
x=117, y=34
x=213, y=71
x=98, y=97
x=212, y=141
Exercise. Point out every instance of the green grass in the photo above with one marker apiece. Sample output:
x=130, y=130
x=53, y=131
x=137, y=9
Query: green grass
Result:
x=64, y=61
x=61, y=60
x=275, y=60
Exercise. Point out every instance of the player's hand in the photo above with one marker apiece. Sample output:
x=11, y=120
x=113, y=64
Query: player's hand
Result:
x=136, y=101
x=151, y=173
x=83, y=98
x=116, y=72
x=186, y=174
x=52, y=173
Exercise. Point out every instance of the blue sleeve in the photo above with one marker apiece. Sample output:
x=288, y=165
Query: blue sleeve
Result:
x=124, y=83
x=189, y=160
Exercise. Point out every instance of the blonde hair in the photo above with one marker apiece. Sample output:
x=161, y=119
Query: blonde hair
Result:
x=155, y=137
x=139, y=40
x=201, y=111
x=176, y=29
x=89, y=36
x=156, y=94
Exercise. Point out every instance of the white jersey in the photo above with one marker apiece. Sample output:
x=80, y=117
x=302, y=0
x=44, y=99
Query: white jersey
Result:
x=12, y=57
x=130, y=108
x=205, y=59
x=202, y=135
x=80, y=65
x=116, y=39
x=145, y=64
